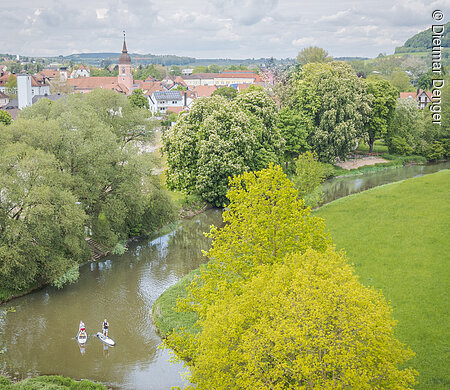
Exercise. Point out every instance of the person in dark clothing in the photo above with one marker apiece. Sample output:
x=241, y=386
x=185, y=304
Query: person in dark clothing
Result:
x=105, y=327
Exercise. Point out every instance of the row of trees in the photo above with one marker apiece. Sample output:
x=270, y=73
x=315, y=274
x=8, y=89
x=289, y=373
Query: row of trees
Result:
x=278, y=307
x=68, y=169
x=324, y=107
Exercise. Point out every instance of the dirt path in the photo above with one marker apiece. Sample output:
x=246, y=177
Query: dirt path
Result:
x=360, y=162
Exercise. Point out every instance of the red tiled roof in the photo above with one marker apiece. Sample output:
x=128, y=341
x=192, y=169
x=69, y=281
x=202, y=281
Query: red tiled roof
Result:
x=204, y=90
x=50, y=73
x=151, y=86
x=4, y=79
x=180, y=80
x=176, y=110
x=89, y=83
x=408, y=95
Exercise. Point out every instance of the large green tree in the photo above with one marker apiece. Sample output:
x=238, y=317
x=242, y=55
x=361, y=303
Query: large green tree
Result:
x=304, y=323
x=279, y=308
x=293, y=129
x=383, y=99
x=218, y=139
x=264, y=221
x=228, y=92
x=138, y=99
x=41, y=224
x=313, y=54
x=334, y=104
x=96, y=139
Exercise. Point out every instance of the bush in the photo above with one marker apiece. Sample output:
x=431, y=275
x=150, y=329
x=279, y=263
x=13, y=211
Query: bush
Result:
x=435, y=151
x=399, y=145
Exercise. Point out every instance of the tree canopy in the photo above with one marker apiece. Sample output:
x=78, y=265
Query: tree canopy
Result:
x=5, y=117
x=313, y=54
x=334, y=106
x=72, y=165
x=138, y=99
x=220, y=138
x=279, y=308
x=383, y=101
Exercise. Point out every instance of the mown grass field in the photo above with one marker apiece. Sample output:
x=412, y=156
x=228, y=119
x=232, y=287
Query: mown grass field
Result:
x=397, y=236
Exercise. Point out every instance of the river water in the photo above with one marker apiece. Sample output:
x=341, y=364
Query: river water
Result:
x=38, y=338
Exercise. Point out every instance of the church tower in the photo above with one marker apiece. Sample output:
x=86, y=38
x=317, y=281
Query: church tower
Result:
x=125, y=76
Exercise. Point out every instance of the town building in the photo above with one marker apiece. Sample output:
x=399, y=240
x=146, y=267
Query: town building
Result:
x=161, y=102
x=123, y=83
x=82, y=71
x=422, y=97
x=4, y=99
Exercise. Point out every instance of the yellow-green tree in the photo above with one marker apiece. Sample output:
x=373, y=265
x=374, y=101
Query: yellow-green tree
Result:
x=304, y=323
x=264, y=221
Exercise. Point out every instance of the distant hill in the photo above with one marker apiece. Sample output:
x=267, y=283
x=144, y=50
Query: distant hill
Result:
x=102, y=59
x=422, y=41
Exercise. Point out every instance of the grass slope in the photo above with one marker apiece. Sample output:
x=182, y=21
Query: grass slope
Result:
x=50, y=382
x=397, y=238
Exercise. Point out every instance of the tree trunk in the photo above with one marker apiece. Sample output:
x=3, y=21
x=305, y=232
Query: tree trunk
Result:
x=371, y=141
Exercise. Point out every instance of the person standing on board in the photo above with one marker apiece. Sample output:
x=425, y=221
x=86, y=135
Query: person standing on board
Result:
x=105, y=327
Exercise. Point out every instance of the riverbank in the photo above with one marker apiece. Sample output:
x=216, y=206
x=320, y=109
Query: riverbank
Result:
x=50, y=382
x=379, y=229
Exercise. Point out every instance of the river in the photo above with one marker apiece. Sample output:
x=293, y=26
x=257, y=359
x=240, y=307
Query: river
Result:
x=38, y=338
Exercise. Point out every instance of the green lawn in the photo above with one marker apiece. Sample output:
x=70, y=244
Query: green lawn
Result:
x=397, y=236
x=378, y=147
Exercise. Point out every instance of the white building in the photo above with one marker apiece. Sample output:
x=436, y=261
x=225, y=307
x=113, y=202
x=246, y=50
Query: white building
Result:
x=163, y=101
x=38, y=88
x=80, y=72
x=24, y=94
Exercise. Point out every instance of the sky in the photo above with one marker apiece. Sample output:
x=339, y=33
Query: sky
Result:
x=214, y=28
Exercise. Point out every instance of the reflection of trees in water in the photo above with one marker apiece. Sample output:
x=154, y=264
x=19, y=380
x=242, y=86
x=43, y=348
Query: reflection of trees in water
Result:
x=176, y=254
x=344, y=186
x=122, y=289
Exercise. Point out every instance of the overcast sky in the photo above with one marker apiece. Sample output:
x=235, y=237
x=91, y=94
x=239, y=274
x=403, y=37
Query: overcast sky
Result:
x=214, y=28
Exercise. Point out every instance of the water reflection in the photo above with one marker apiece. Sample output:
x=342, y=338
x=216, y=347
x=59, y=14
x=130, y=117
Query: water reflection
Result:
x=38, y=337
x=340, y=187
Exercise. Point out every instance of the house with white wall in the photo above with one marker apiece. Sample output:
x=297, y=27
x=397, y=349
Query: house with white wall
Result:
x=161, y=102
x=82, y=71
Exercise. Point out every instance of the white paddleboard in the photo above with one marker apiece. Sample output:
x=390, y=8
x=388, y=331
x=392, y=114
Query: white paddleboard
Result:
x=81, y=338
x=105, y=339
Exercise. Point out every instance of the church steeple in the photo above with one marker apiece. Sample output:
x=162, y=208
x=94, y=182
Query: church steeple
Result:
x=125, y=76
x=124, y=50
x=124, y=58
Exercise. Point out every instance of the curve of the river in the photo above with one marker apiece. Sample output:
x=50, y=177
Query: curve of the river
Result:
x=37, y=338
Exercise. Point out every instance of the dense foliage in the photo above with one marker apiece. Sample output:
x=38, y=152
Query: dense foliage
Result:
x=138, y=99
x=279, y=308
x=383, y=99
x=71, y=168
x=413, y=130
x=220, y=138
x=228, y=92
x=5, y=117
x=309, y=175
x=334, y=105
x=313, y=54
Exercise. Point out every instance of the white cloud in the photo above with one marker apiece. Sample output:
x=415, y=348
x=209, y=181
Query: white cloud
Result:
x=304, y=41
x=213, y=28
